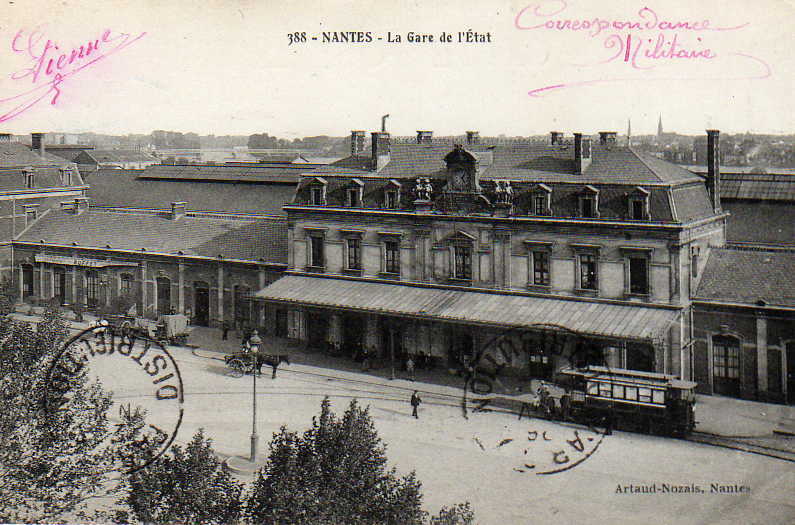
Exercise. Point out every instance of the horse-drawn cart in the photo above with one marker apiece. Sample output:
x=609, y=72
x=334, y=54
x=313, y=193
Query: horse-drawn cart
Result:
x=246, y=363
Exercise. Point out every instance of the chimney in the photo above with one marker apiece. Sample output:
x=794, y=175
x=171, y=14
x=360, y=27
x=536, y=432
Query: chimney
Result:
x=582, y=153
x=424, y=137
x=357, y=142
x=178, y=210
x=76, y=206
x=473, y=137
x=713, y=168
x=5, y=138
x=380, y=144
x=37, y=142
x=607, y=137
x=556, y=138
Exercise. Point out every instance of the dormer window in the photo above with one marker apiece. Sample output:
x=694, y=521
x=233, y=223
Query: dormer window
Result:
x=589, y=203
x=638, y=203
x=392, y=195
x=318, y=195
x=30, y=180
x=463, y=262
x=66, y=176
x=353, y=194
x=540, y=200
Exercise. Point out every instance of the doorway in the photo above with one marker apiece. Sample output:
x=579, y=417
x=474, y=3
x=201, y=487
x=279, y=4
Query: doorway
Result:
x=59, y=284
x=201, y=303
x=316, y=328
x=791, y=372
x=726, y=365
x=163, y=296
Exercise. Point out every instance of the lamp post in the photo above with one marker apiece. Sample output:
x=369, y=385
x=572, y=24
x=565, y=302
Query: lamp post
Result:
x=392, y=352
x=254, y=344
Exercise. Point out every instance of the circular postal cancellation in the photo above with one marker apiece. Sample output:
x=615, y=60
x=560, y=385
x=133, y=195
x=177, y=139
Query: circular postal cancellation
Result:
x=549, y=437
x=142, y=376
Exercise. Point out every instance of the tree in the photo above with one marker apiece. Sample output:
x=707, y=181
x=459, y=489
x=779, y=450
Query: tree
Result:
x=334, y=473
x=460, y=514
x=54, y=455
x=185, y=486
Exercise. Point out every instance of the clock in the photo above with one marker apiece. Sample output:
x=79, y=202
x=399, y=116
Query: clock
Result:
x=460, y=179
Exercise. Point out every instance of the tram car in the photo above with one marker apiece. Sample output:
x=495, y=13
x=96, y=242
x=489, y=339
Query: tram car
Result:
x=631, y=400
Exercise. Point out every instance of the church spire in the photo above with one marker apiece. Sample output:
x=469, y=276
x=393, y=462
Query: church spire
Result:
x=659, y=127
x=629, y=132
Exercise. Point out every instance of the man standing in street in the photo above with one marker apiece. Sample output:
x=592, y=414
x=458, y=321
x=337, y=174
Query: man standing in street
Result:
x=415, y=403
x=410, y=368
x=224, y=330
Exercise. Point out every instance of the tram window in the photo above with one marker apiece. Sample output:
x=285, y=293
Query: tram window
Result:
x=632, y=393
x=659, y=396
x=644, y=394
x=593, y=389
x=605, y=389
x=618, y=391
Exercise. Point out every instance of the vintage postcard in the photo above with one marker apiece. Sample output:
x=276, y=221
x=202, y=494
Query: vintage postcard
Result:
x=407, y=262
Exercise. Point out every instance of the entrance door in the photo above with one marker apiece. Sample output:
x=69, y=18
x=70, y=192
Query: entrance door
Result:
x=201, y=303
x=791, y=372
x=726, y=365
x=353, y=328
x=163, y=295
x=462, y=347
x=281, y=322
x=316, y=329
x=59, y=285
x=27, y=281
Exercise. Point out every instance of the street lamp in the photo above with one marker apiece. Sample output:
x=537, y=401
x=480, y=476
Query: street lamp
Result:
x=254, y=344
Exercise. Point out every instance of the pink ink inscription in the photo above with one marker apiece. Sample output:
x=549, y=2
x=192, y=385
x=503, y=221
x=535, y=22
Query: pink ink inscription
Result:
x=642, y=41
x=49, y=65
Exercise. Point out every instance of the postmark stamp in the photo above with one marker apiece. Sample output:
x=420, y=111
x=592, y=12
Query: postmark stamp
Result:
x=141, y=373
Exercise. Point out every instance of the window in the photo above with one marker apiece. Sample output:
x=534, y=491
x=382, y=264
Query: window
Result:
x=29, y=178
x=318, y=197
x=354, y=247
x=644, y=394
x=391, y=199
x=637, y=210
x=694, y=253
x=539, y=205
x=391, y=256
x=92, y=288
x=59, y=283
x=125, y=284
x=588, y=275
x=541, y=268
x=589, y=202
x=725, y=357
x=463, y=262
x=540, y=200
x=353, y=197
x=317, y=259
x=638, y=275
x=632, y=393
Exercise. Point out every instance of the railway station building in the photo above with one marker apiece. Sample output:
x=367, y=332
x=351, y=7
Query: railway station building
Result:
x=435, y=248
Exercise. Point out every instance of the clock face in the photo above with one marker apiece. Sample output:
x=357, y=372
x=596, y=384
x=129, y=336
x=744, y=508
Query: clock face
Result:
x=460, y=179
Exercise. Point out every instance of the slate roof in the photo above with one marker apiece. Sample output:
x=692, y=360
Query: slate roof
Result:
x=109, y=156
x=757, y=186
x=240, y=172
x=747, y=276
x=247, y=239
x=760, y=222
x=13, y=154
x=124, y=188
x=525, y=161
x=13, y=179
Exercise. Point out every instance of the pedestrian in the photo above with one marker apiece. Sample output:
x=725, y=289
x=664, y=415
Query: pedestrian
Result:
x=608, y=419
x=224, y=330
x=415, y=403
x=365, y=359
x=565, y=405
x=410, y=368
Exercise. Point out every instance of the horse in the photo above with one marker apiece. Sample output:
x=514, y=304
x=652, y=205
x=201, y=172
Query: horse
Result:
x=271, y=360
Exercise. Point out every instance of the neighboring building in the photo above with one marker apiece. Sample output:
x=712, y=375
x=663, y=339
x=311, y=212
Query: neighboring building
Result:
x=68, y=152
x=437, y=248
x=202, y=264
x=31, y=182
x=116, y=158
x=744, y=314
x=256, y=188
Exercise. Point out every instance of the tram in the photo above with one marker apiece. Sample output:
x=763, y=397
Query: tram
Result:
x=631, y=400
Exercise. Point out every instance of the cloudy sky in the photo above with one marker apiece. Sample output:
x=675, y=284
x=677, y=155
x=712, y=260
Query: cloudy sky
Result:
x=225, y=67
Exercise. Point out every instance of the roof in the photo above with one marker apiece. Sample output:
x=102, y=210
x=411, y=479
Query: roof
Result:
x=525, y=161
x=747, y=276
x=592, y=318
x=251, y=172
x=124, y=188
x=13, y=154
x=735, y=170
x=756, y=186
x=68, y=152
x=760, y=222
x=12, y=179
x=109, y=156
x=233, y=238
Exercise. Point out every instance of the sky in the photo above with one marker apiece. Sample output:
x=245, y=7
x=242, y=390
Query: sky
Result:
x=228, y=67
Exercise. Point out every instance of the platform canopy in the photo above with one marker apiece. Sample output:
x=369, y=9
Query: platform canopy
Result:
x=619, y=321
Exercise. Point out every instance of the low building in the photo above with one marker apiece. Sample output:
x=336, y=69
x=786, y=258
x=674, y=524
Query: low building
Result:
x=115, y=158
x=744, y=314
x=201, y=264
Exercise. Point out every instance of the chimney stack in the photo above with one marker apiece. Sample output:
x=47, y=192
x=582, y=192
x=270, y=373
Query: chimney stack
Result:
x=381, y=149
x=607, y=137
x=77, y=206
x=713, y=168
x=473, y=137
x=582, y=153
x=556, y=138
x=37, y=142
x=424, y=137
x=5, y=138
x=178, y=210
x=357, y=142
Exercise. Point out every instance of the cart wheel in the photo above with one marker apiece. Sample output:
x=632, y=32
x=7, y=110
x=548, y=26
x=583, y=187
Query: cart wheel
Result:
x=236, y=368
